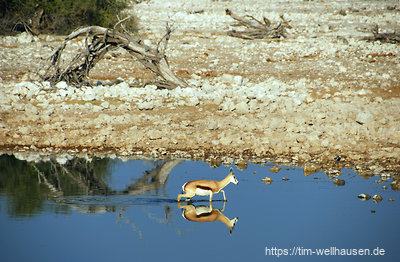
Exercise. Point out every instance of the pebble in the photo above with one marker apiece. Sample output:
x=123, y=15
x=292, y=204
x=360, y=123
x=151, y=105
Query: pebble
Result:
x=242, y=108
x=364, y=118
x=275, y=169
x=105, y=105
x=145, y=106
x=226, y=140
x=62, y=85
x=309, y=169
x=18, y=106
x=31, y=109
x=24, y=130
x=267, y=180
x=241, y=164
x=339, y=182
x=377, y=198
x=154, y=134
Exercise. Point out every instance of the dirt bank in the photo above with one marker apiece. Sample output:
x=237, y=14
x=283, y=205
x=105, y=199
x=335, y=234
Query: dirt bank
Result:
x=321, y=93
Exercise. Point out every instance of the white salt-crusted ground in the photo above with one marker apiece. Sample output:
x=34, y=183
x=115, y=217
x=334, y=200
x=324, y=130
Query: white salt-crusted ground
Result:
x=322, y=92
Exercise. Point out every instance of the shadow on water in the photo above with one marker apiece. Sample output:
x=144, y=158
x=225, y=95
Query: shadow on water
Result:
x=80, y=201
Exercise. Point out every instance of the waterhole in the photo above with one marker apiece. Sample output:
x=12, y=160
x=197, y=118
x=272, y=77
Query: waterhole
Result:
x=112, y=209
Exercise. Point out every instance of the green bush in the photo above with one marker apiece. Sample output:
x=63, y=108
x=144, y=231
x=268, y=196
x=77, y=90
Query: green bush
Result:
x=60, y=16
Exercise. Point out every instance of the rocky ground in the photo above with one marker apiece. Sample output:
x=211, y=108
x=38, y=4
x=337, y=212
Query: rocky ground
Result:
x=319, y=95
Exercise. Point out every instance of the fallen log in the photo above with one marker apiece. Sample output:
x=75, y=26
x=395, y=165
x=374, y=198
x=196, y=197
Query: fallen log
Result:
x=256, y=29
x=391, y=38
x=100, y=40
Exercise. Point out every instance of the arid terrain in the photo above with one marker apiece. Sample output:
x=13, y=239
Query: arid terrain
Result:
x=323, y=97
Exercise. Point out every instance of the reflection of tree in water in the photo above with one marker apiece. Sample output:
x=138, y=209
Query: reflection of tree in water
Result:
x=29, y=184
x=77, y=176
x=154, y=179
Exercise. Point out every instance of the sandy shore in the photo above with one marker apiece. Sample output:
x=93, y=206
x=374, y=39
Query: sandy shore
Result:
x=320, y=95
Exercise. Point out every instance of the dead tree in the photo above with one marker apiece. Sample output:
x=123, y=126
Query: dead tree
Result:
x=256, y=29
x=98, y=41
x=392, y=38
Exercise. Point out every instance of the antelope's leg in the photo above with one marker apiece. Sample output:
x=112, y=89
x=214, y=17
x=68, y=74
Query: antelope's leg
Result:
x=223, y=193
x=188, y=196
x=182, y=206
x=179, y=197
x=223, y=207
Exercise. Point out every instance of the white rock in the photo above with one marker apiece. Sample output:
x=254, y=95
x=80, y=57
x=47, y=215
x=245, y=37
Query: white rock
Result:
x=325, y=143
x=62, y=93
x=145, y=106
x=313, y=138
x=212, y=124
x=124, y=107
x=28, y=157
x=154, y=134
x=242, y=108
x=89, y=95
x=364, y=118
x=88, y=106
x=24, y=130
x=297, y=101
x=226, y=140
x=18, y=106
x=63, y=159
x=147, y=42
x=193, y=101
x=31, y=109
x=25, y=37
x=238, y=80
x=232, y=79
x=227, y=105
x=97, y=108
x=105, y=105
x=62, y=85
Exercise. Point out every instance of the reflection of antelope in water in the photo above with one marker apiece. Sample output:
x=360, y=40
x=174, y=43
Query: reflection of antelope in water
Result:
x=206, y=187
x=207, y=214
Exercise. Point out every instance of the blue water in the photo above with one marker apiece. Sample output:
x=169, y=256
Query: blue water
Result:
x=300, y=213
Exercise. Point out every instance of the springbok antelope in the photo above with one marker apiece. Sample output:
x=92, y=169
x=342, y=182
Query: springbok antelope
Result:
x=207, y=214
x=206, y=187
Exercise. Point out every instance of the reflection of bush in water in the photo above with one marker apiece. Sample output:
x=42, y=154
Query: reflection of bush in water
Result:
x=28, y=184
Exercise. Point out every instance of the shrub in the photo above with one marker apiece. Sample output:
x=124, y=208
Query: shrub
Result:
x=60, y=16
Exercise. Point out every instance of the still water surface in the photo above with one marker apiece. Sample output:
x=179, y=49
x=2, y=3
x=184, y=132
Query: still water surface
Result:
x=114, y=210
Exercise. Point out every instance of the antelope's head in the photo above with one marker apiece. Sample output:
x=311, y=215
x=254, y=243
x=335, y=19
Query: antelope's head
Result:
x=232, y=224
x=233, y=178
